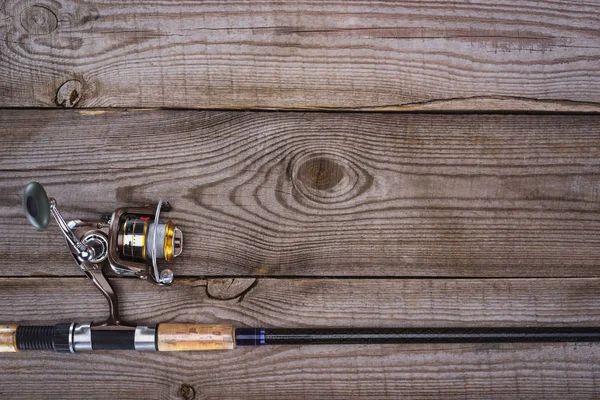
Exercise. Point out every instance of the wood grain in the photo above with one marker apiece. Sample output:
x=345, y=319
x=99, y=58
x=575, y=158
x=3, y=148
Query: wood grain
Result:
x=384, y=55
x=298, y=302
x=377, y=371
x=552, y=371
x=265, y=197
x=318, y=194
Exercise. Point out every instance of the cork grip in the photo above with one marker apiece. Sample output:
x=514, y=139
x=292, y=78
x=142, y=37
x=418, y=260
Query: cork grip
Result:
x=8, y=338
x=192, y=337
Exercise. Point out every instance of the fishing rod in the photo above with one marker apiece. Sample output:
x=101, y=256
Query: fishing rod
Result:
x=132, y=241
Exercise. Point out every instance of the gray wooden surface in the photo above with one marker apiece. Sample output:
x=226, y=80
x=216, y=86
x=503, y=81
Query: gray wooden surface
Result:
x=486, y=213
x=375, y=371
x=319, y=194
x=388, y=55
x=302, y=196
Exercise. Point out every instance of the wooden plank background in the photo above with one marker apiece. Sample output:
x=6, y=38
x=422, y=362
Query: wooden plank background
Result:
x=482, y=208
x=379, y=371
x=389, y=55
x=319, y=194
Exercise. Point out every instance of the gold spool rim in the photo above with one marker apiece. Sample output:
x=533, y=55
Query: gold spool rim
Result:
x=168, y=246
x=144, y=240
x=122, y=237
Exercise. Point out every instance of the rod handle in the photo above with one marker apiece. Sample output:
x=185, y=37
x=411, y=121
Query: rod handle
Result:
x=194, y=337
x=15, y=338
x=8, y=338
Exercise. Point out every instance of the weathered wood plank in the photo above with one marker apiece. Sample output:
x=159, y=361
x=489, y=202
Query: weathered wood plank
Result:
x=313, y=302
x=302, y=54
x=550, y=371
x=318, y=193
x=379, y=371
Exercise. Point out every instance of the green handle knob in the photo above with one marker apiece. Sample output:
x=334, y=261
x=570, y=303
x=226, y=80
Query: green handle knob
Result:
x=36, y=205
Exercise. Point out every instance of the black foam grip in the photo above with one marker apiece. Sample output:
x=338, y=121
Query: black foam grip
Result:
x=37, y=337
x=43, y=337
x=60, y=337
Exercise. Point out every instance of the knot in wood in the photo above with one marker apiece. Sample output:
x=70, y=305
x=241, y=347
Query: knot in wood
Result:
x=69, y=93
x=39, y=20
x=187, y=392
x=321, y=173
x=328, y=177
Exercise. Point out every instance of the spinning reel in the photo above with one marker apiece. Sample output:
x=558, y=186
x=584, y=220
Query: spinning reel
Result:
x=132, y=240
x=129, y=242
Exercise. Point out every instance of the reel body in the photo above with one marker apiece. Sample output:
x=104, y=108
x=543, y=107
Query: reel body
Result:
x=130, y=243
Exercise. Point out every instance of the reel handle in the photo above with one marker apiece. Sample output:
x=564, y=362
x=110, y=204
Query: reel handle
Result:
x=38, y=207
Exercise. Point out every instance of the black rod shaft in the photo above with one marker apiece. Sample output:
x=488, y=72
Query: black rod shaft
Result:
x=267, y=336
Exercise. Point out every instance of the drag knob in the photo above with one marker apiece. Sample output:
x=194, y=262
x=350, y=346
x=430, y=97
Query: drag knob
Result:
x=36, y=205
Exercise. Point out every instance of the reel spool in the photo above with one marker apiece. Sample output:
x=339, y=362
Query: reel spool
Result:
x=136, y=236
x=136, y=240
x=130, y=242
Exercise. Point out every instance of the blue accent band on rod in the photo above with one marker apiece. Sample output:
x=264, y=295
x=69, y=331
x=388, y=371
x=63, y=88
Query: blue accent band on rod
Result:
x=249, y=337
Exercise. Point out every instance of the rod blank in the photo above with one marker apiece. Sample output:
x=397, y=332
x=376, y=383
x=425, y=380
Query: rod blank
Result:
x=278, y=336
